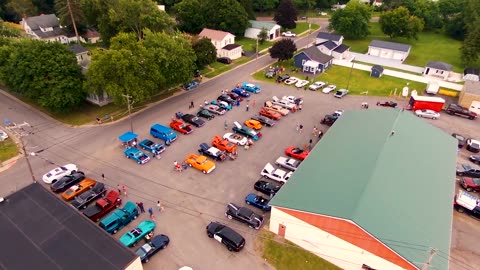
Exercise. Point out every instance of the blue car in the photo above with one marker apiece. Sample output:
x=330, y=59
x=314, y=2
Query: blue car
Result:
x=151, y=146
x=222, y=104
x=241, y=92
x=137, y=155
x=258, y=201
x=191, y=85
x=250, y=87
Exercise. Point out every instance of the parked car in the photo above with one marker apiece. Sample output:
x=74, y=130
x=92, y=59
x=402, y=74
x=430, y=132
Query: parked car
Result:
x=253, y=124
x=181, y=127
x=470, y=184
x=119, y=218
x=329, y=89
x=103, y=206
x=264, y=120
x=240, y=92
x=293, y=99
x=270, y=73
x=277, y=108
x=224, y=60
x=291, y=80
x=341, y=93
x=212, y=152
x=193, y=119
x=234, y=96
x=82, y=201
x=475, y=159
x=191, y=85
x=226, y=98
x=67, y=181
x=301, y=83
x=151, y=146
x=427, y=114
x=329, y=119
x=288, y=163
x=200, y=163
x=473, y=145
x=157, y=243
x=461, y=139
x=224, y=144
x=275, y=174
x=284, y=103
x=215, y=109
x=235, y=138
x=466, y=202
x=391, y=104
x=258, y=202
x=270, y=114
x=245, y=215
x=205, y=114
x=296, y=152
x=59, y=172
x=252, y=88
x=222, y=104
x=225, y=235
x=246, y=131
x=78, y=189
x=266, y=187
x=3, y=135
x=288, y=34
x=129, y=239
x=316, y=85
x=454, y=109
x=468, y=170
x=282, y=78
x=137, y=155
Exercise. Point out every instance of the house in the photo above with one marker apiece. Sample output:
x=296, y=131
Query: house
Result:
x=471, y=74
x=352, y=217
x=311, y=60
x=331, y=44
x=50, y=234
x=376, y=71
x=44, y=27
x=224, y=42
x=389, y=50
x=91, y=36
x=82, y=54
x=438, y=69
x=325, y=36
x=256, y=27
x=72, y=37
x=470, y=96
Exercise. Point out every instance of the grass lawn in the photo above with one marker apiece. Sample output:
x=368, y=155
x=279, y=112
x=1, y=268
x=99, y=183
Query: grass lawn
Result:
x=8, y=149
x=250, y=45
x=216, y=68
x=430, y=46
x=303, y=26
x=284, y=255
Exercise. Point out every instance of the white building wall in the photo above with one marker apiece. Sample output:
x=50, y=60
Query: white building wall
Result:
x=326, y=245
x=135, y=265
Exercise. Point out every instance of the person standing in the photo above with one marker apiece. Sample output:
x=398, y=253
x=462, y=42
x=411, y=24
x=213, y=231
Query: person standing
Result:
x=191, y=104
x=300, y=128
x=103, y=177
x=247, y=107
x=159, y=206
x=150, y=211
x=124, y=188
x=140, y=205
x=119, y=189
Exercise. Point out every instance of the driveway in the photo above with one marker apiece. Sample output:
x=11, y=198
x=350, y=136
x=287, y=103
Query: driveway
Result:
x=397, y=64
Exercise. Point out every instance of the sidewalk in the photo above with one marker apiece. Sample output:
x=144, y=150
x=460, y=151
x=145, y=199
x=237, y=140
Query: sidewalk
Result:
x=374, y=60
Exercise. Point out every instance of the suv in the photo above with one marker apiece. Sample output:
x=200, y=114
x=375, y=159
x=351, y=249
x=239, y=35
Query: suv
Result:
x=454, y=109
x=245, y=215
x=225, y=235
x=468, y=170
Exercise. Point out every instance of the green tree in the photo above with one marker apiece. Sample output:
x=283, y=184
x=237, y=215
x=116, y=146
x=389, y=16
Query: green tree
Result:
x=470, y=49
x=45, y=72
x=262, y=36
x=9, y=30
x=189, y=15
x=448, y=8
x=247, y=5
x=205, y=51
x=23, y=8
x=429, y=12
x=264, y=5
x=399, y=23
x=70, y=14
x=286, y=14
x=283, y=49
x=352, y=21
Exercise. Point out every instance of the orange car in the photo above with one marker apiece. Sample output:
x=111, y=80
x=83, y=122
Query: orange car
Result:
x=200, y=163
x=270, y=113
x=224, y=145
x=78, y=189
x=253, y=124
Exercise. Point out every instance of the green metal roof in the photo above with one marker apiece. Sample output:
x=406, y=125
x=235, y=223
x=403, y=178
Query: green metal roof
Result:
x=398, y=187
x=260, y=25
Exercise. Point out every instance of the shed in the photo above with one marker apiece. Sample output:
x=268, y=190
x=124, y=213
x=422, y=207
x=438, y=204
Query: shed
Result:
x=257, y=26
x=377, y=71
x=438, y=69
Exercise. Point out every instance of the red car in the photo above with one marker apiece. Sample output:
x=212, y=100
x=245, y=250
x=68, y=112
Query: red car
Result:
x=296, y=152
x=181, y=127
x=470, y=184
x=270, y=114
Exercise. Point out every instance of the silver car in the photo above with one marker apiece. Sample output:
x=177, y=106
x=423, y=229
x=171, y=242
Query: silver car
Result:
x=341, y=93
x=427, y=114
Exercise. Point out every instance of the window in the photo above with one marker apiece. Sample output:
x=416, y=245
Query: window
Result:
x=312, y=69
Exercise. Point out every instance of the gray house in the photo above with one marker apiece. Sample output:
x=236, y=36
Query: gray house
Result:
x=312, y=60
x=325, y=36
x=389, y=50
x=331, y=44
x=438, y=69
x=44, y=27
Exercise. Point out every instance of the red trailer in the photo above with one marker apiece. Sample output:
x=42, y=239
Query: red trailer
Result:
x=426, y=103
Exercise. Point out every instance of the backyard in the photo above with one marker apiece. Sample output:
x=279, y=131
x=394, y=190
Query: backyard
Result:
x=8, y=149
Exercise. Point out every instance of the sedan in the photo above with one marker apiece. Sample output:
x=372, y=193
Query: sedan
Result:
x=78, y=189
x=266, y=187
x=468, y=170
x=296, y=152
x=206, y=114
x=258, y=201
x=301, y=83
x=235, y=138
x=157, y=243
x=130, y=238
x=264, y=120
x=282, y=78
x=180, y=127
x=473, y=145
x=329, y=89
x=316, y=85
x=427, y=114
x=461, y=139
x=289, y=34
x=291, y=80
x=475, y=159
x=214, y=109
x=245, y=215
x=470, y=184
x=82, y=201
x=224, y=60
x=241, y=92
x=391, y=104
x=57, y=173
x=194, y=120
x=341, y=93
x=270, y=114
x=253, y=124
x=67, y=181
x=227, y=99
x=191, y=85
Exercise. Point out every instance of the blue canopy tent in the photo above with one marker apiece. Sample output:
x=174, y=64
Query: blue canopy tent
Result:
x=127, y=137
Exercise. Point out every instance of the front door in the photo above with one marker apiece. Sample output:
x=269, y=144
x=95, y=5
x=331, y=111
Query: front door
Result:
x=281, y=230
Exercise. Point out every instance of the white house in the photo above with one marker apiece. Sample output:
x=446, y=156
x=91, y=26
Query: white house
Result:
x=273, y=29
x=92, y=36
x=389, y=50
x=224, y=42
x=82, y=54
x=44, y=27
x=438, y=69
x=331, y=44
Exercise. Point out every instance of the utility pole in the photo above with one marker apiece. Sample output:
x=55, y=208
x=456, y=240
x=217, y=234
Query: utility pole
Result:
x=426, y=265
x=73, y=21
x=350, y=75
x=256, y=49
x=28, y=160
x=128, y=97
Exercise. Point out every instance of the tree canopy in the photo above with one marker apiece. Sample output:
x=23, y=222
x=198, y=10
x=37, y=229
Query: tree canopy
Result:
x=283, y=49
x=205, y=51
x=429, y=12
x=286, y=14
x=399, y=23
x=352, y=21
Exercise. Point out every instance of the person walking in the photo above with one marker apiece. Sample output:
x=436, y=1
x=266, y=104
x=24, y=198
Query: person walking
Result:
x=247, y=107
x=315, y=131
x=124, y=188
x=192, y=105
x=103, y=177
x=119, y=189
x=159, y=206
x=150, y=211
x=140, y=205
x=300, y=128
x=310, y=144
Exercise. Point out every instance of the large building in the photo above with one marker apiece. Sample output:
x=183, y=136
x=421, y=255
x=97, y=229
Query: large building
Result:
x=39, y=231
x=470, y=96
x=375, y=193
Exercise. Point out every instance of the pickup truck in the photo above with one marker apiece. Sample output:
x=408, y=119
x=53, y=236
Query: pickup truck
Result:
x=137, y=155
x=468, y=203
x=284, y=103
x=119, y=218
x=103, y=206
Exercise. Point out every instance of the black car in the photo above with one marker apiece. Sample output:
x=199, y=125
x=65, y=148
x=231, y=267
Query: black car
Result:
x=82, y=200
x=475, y=159
x=264, y=120
x=461, y=140
x=468, y=170
x=245, y=215
x=392, y=104
x=454, y=109
x=234, y=96
x=213, y=152
x=282, y=78
x=227, y=99
x=157, y=243
x=67, y=181
x=473, y=145
x=225, y=235
x=329, y=119
x=224, y=60
x=193, y=119
x=205, y=114
x=266, y=187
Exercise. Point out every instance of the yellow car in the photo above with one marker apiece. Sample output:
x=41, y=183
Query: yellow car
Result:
x=200, y=163
x=253, y=124
x=78, y=189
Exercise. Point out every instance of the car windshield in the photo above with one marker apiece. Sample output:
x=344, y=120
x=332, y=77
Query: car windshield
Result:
x=475, y=145
x=476, y=181
x=136, y=232
x=195, y=119
x=140, y=252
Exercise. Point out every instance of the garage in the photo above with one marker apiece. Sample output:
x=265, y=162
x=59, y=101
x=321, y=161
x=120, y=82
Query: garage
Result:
x=470, y=96
x=374, y=52
x=389, y=50
x=398, y=56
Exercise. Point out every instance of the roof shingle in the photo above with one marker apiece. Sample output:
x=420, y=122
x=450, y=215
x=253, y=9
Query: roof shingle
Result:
x=390, y=45
x=213, y=34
